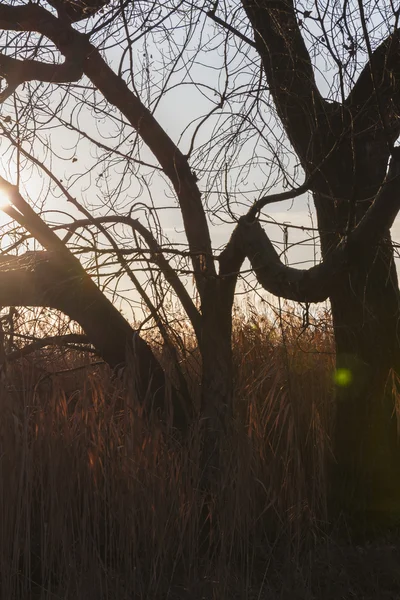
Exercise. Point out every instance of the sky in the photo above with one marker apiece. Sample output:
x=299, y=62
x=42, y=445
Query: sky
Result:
x=74, y=160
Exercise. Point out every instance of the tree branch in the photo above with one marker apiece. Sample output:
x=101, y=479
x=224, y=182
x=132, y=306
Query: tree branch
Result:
x=288, y=69
x=33, y=17
x=385, y=65
x=278, y=197
x=174, y=163
x=211, y=14
x=376, y=94
x=301, y=285
x=157, y=256
x=76, y=10
x=57, y=279
x=54, y=340
x=317, y=283
x=76, y=47
x=38, y=279
x=17, y=18
x=17, y=72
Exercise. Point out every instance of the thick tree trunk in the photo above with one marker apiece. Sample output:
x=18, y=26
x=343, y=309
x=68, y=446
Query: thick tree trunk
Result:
x=365, y=481
x=354, y=155
x=365, y=310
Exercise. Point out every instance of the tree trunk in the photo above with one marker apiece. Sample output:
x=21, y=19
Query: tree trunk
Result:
x=216, y=402
x=365, y=482
x=365, y=478
x=217, y=369
x=365, y=310
x=344, y=148
x=353, y=153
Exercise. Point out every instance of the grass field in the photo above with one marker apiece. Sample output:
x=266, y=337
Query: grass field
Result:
x=95, y=503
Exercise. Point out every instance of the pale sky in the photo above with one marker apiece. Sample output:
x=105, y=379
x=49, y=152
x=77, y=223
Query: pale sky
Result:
x=176, y=111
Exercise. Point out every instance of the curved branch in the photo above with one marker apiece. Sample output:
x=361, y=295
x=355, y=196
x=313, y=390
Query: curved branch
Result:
x=16, y=72
x=86, y=304
x=317, y=283
x=39, y=279
x=157, y=256
x=44, y=279
x=278, y=197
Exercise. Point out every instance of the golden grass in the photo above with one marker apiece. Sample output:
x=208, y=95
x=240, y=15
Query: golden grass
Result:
x=95, y=503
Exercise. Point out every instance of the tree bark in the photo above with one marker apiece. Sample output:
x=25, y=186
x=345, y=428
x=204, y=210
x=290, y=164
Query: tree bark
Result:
x=365, y=310
x=215, y=342
x=365, y=476
x=345, y=147
x=366, y=473
x=217, y=374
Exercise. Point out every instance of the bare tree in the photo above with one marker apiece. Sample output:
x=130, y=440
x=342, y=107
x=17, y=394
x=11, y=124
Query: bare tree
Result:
x=343, y=138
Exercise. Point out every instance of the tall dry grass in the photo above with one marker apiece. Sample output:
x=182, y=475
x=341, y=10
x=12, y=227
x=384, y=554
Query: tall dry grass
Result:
x=96, y=503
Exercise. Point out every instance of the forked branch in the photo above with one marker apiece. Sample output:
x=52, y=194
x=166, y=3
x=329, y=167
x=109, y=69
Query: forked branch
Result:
x=317, y=283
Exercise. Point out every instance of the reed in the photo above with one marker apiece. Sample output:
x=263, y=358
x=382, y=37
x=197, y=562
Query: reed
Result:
x=97, y=503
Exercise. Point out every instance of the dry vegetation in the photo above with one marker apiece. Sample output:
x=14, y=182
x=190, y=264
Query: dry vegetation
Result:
x=95, y=503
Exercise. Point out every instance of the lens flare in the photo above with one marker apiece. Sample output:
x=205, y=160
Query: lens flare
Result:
x=343, y=377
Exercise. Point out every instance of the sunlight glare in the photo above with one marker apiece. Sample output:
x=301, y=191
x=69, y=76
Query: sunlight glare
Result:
x=4, y=199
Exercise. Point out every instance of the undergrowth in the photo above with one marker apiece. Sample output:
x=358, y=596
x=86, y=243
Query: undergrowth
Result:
x=96, y=503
